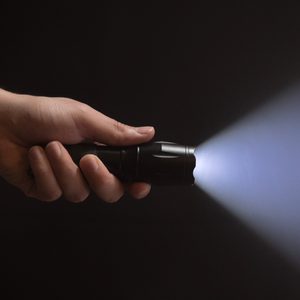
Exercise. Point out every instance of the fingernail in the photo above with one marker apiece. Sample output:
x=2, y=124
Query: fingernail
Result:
x=36, y=153
x=143, y=193
x=95, y=164
x=56, y=149
x=144, y=129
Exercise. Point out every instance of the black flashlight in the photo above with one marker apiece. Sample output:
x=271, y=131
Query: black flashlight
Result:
x=160, y=163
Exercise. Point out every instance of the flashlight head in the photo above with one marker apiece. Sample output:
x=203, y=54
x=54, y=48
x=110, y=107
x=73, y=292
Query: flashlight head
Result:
x=165, y=163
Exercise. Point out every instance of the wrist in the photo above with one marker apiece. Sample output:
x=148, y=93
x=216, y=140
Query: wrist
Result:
x=3, y=94
x=4, y=100
x=7, y=97
x=9, y=103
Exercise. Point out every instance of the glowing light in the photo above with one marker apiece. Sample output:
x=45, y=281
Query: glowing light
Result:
x=253, y=169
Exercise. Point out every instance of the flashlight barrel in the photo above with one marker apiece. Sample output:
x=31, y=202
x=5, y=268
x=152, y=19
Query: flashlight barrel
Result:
x=160, y=163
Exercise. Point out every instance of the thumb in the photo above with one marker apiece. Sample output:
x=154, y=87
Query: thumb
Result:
x=95, y=126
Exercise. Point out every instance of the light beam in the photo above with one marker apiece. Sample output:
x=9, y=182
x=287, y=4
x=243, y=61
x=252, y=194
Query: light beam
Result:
x=253, y=169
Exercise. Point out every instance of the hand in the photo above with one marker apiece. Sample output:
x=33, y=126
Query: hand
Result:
x=29, y=121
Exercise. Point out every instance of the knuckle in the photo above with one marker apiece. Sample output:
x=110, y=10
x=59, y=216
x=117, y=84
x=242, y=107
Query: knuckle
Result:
x=112, y=197
x=29, y=194
x=50, y=197
x=80, y=108
x=119, y=131
x=120, y=127
x=29, y=190
x=106, y=180
x=77, y=197
x=108, y=189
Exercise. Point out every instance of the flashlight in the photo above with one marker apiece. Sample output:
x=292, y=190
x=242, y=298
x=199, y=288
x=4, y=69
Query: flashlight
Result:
x=160, y=163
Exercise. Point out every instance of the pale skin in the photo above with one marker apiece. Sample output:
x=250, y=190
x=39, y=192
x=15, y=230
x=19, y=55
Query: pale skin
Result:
x=27, y=122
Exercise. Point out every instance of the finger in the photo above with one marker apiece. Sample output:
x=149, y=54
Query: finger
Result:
x=95, y=126
x=67, y=173
x=139, y=190
x=102, y=182
x=46, y=187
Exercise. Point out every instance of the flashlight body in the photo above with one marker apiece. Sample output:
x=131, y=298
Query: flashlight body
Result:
x=160, y=163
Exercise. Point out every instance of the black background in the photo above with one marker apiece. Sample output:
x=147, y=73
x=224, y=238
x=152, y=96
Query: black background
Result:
x=189, y=70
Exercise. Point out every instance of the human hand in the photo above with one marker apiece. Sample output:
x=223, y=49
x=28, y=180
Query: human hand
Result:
x=29, y=121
